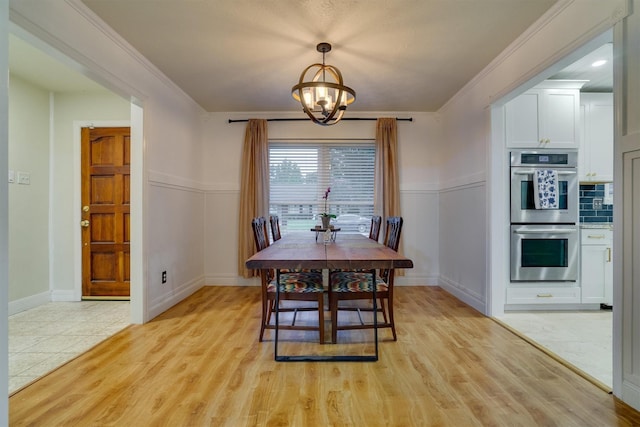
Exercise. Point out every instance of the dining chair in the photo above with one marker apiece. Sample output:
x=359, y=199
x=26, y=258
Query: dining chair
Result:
x=374, y=231
x=357, y=285
x=275, y=228
x=293, y=285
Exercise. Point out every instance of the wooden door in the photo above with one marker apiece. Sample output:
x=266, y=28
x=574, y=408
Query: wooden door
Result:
x=105, y=212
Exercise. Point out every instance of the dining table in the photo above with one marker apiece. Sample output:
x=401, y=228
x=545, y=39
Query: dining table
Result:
x=346, y=252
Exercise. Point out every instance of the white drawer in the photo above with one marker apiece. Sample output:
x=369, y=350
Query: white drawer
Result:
x=596, y=236
x=543, y=295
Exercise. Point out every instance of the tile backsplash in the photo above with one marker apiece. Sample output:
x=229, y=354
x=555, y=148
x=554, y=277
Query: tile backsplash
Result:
x=589, y=192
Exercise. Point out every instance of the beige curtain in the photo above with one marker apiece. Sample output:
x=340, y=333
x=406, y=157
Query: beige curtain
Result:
x=254, y=189
x=387, y=188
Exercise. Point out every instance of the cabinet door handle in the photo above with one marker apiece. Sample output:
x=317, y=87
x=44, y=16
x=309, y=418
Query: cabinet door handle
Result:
x=608, y=254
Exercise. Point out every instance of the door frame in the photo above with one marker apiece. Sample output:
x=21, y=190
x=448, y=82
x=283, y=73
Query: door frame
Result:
x=498, y=264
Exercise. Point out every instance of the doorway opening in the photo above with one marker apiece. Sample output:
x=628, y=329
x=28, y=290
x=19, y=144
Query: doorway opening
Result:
x=64, y=110
x=579, y=335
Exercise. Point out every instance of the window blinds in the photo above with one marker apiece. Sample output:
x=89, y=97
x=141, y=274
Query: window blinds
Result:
x=300, y=173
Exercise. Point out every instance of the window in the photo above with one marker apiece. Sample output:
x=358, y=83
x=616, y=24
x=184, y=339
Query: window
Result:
x=301, y=172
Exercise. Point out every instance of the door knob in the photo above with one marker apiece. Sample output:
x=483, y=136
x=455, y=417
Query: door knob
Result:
x=84, y=223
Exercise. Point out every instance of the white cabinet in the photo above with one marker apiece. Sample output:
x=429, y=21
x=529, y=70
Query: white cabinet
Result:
x=596, y=278
x=547, y=116
x=596, y=147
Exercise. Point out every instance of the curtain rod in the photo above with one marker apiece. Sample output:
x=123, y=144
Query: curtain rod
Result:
x=410, y=119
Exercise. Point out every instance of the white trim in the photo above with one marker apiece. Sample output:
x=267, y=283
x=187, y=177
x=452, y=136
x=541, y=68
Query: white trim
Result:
x=166, y=301
x=27, y=303
x=229, y=280
x=51, y=225
x=65, y=296
x=464, y=182
x=233, y=280
x=559, y=60
x=138, y=226
x=160, y=179
x=461, y=292
x=125, y=46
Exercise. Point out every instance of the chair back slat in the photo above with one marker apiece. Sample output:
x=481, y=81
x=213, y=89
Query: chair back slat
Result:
x=374, y=232
x=275, y=227
x=392, y=240
x=392, y=234
x=260, y=235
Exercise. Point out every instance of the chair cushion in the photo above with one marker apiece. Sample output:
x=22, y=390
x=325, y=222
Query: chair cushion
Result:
x=355, y=281
x=302, y=270
x=298, y=282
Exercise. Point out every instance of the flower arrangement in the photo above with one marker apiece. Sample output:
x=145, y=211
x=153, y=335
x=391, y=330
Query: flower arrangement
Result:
x=326, y=197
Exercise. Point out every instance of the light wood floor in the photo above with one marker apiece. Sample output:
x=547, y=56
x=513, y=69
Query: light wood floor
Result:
x=200, y=364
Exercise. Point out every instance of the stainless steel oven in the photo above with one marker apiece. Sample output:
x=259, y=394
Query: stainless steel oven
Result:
x=524, y=164
x=544, y=252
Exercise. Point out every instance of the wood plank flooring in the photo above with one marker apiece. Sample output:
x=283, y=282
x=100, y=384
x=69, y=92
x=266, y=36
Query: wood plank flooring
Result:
x=200, y=364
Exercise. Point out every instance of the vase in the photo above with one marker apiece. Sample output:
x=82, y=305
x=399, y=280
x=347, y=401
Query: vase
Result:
x=325, y=222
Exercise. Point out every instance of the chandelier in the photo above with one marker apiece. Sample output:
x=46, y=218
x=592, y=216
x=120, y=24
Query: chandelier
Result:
x=324, y=97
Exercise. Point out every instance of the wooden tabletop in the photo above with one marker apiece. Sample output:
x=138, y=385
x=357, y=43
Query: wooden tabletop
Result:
x=349, y=251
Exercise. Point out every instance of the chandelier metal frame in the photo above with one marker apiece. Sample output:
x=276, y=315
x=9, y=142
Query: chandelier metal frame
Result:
x=314, y=94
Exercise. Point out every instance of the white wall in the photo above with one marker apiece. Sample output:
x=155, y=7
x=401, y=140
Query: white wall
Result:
x=418, y=157
x=28, y=204
x=471, y=171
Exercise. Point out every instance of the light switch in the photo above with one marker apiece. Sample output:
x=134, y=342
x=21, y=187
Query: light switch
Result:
x=12, y=177
x=24, y=178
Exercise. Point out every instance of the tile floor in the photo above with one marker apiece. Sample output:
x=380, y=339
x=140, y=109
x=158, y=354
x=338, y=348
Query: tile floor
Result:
x=46, y=337
x=582, y=338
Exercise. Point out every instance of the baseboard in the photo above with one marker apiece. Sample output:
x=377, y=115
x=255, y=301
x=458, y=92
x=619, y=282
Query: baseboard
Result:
x=463, y=294
x=29, y=302
x=415, y=281
x=229, y=280
x=254, y=281
x=164, y=302
x=65, y=296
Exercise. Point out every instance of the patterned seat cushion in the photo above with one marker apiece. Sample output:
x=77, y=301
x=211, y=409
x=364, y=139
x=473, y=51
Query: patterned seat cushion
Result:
x=355, y=281
x=298, y=282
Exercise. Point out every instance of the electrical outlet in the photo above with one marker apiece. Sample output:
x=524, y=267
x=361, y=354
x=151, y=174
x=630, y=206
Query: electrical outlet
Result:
x=597, y=204
x=164, y=276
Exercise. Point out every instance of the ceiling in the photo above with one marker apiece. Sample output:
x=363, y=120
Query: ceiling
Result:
x=245, y=55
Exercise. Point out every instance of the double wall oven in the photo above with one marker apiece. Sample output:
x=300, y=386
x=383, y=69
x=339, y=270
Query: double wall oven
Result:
x=545, y=243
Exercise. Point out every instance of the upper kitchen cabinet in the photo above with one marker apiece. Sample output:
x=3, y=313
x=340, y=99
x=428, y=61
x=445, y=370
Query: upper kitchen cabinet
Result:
x=547, y=116
x=596, y=148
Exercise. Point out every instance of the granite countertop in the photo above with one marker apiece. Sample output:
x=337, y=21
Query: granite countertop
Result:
x=601, y=225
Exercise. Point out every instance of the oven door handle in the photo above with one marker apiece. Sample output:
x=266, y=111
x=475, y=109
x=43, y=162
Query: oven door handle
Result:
x=532, y=171
x=544, y=231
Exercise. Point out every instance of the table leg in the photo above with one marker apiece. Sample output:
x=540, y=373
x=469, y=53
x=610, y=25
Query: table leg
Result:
x=277, y=313
x=336, y=358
